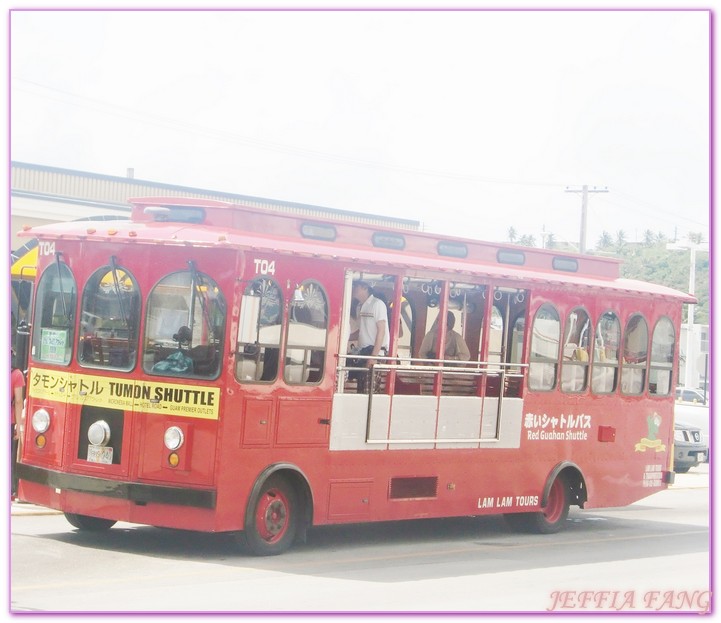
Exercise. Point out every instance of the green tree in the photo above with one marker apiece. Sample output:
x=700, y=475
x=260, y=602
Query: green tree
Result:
x=656, y=264
x=512, y=234
x=620, y=239
x=605, y=241
x=527, y=241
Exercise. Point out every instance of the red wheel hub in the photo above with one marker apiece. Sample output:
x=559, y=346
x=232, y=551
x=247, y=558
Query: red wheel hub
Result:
x=271, y=518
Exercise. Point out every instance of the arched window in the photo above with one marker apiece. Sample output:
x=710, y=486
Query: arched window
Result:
x=662, y=349
x=635, y=356
x=261, y=320
x=54, y=321
x=109, y=319
x=576, y=342
x=184, y=326
x=604, y=378
x=545, y=349
x=307, y=333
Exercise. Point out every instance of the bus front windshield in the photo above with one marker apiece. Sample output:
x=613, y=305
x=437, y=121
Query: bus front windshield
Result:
x=109, y=318
x=185, y=322
x=54, y=315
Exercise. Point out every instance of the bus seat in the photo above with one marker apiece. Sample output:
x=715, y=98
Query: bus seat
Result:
x=294, y=373
x=205, y=359
x=407, y=388
x=248, y=370
x=96, y=345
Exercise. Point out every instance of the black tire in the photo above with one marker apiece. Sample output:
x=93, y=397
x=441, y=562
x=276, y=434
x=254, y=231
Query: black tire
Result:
x=681, y=470
x=551, y=519
x=89, y=524
x=273, y=517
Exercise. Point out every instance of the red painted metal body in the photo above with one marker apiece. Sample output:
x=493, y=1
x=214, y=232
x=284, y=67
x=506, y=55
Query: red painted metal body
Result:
x=237, y=433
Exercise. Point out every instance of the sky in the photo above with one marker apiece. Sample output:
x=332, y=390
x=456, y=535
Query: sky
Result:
x=469, y=121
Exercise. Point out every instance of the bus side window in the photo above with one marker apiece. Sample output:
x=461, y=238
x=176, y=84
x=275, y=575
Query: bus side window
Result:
x=604, y=378
x=662, y=348
x=635, y=356
x=574, y=371
x=545, y=349
x=258, y=348
x=307, y=333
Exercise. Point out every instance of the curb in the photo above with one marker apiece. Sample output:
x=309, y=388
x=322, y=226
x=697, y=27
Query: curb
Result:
x=17, y=509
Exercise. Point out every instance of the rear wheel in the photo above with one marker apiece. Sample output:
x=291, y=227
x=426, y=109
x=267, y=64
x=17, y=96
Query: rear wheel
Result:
x=551, y=518
x=90, y=524
x=273, y=519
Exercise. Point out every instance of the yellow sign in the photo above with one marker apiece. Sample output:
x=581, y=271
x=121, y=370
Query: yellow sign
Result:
x=25, y=267
x=121, y=393
x=650, y=444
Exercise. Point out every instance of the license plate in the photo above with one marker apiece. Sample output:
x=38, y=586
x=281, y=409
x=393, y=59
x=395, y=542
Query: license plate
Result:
x=100, y=454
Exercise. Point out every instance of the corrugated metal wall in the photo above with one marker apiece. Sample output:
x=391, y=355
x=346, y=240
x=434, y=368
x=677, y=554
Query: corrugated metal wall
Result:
x=31, y=179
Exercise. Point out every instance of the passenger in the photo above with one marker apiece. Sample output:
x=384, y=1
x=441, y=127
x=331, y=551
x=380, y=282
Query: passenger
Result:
x=373, y=336
x=456, y=348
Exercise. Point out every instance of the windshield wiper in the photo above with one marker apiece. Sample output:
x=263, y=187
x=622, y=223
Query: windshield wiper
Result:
x=116, y=282
x=197, y=287
x=60, y=286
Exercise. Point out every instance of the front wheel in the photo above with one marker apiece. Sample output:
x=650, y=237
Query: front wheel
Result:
x=549, y=520
x=89, y=524
x=273, y=519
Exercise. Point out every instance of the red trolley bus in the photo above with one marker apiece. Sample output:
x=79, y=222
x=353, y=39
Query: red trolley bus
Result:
x=193, y=367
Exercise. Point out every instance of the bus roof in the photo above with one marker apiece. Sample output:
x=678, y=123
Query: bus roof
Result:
x=207, y=223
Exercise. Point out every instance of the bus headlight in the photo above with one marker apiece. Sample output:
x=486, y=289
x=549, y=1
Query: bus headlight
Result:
x=99, y=433
x=40, y=421
x=173, y=438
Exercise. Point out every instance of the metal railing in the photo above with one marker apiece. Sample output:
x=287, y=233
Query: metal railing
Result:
x=384, y=373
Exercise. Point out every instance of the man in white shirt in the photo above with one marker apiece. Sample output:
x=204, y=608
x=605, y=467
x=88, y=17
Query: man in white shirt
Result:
x=373, y=335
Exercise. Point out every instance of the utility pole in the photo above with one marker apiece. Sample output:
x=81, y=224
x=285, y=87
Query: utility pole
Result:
x=584, y=190
x=690, y=375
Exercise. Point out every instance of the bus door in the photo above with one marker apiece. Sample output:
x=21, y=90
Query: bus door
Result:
x=280, y=354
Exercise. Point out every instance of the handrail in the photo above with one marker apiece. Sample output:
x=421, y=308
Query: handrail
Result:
x=438, y=365
x=431, y=367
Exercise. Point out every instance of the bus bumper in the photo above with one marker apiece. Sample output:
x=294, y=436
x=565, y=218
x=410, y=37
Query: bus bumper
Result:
x=131, y=500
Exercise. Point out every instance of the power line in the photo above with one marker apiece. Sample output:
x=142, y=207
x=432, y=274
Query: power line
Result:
x=654, y=211
x=226, y=136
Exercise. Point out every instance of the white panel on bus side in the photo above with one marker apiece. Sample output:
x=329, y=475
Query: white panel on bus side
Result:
x=348, y=422
x=414, y=418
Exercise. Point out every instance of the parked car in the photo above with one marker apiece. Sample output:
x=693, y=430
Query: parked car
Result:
x=689, y=449
x=695, y=415
x=688, y=394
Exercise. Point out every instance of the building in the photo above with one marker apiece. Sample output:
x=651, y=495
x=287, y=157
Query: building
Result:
x=694, y=370
x=41, y=194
